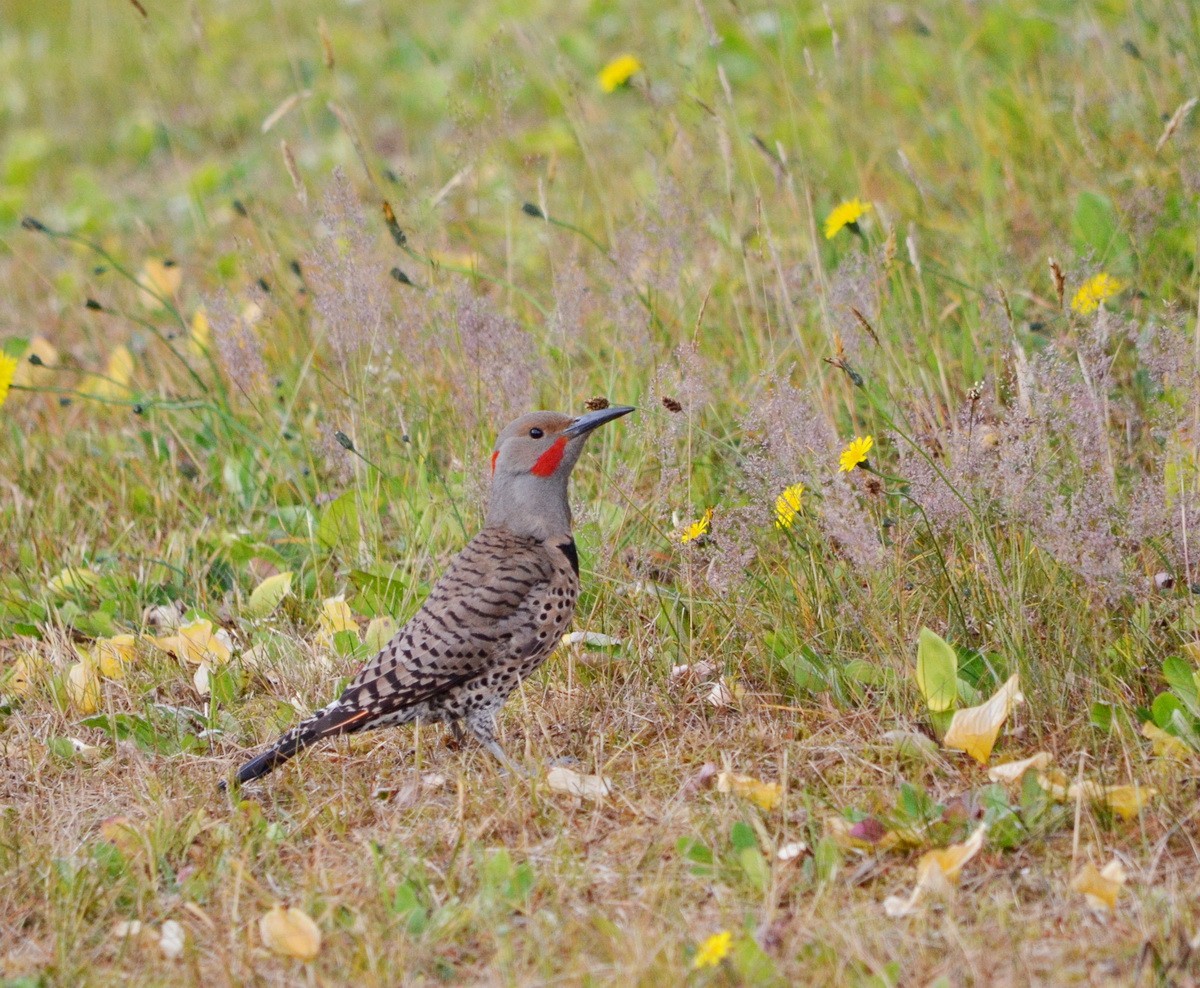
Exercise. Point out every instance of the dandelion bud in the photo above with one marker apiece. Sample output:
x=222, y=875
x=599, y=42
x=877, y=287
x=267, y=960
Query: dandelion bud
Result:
x=344, y=440
x=92, y=304
x=529, y=209
x=29, y=223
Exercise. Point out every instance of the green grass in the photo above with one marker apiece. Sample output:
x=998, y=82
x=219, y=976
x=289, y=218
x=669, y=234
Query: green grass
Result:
x=671, y=247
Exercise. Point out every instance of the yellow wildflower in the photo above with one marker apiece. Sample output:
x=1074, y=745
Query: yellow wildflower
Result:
x=855, y=453
x=697, y=528
x=1095, y=290
x=845, y=214
x=618, y=72
x=714, y=950
x=8, y=368
x=787, y=506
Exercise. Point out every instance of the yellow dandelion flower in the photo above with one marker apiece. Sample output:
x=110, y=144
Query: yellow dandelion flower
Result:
x=855, y=453
x=787, y=506
x=714, y=950
x=8, y=369
x=1095, y=290
x=845, y=214
x=618, y=72
x=697, y=528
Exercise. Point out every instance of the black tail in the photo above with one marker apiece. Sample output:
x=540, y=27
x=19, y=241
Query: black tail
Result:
x=334, y=719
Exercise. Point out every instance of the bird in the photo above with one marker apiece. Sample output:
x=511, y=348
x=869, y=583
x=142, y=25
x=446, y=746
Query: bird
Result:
x=495, y=615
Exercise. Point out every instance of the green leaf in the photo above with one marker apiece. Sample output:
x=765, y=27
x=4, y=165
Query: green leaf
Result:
x=339, y=521
x=755, y=867
x=867, y=673
x=268, y=595
x=937, y=671
x=380, y=594
x=1095, y=228
x=1101, y=716
x=741, y=836
x=1181, y=677
x=1163, y=708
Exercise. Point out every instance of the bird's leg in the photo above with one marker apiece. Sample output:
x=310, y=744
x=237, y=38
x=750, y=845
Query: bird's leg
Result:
x=456, y=729
x=482, y=726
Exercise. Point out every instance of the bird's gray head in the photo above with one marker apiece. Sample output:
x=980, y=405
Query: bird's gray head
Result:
x=531, y=464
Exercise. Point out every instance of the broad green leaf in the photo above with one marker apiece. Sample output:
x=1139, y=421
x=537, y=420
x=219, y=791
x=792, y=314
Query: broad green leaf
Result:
x=1181, y=676
x=339, y=521
x=1164, y=707
x=268, y=595
x=937, y=671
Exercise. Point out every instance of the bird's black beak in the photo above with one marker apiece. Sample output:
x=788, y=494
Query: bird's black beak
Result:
x=592, y=420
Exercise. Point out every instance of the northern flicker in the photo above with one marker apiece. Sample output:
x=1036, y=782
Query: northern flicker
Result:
x=495, y=615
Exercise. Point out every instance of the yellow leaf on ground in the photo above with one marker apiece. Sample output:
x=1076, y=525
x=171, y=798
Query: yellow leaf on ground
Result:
x=937, y=872
x=268, y=595
x=71, y=580
x=197, y=642
x=563, y=779
x=19, y=678
x=290, y=932
x=335, y=617
x=1054, y=781
x=975, y=729
x=1125, y=801
x=1166, y=745
x=111, y=655
x=83, y=687
x=201, y=333
x=763, y=794
x=30, y=374
x=161, y=278
x=1014, y=771
x=1100, y=887
x=114, y=383
x=379, y=632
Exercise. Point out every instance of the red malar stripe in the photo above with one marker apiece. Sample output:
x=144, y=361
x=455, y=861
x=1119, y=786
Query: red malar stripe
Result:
x=548, y=462
x=494, y=455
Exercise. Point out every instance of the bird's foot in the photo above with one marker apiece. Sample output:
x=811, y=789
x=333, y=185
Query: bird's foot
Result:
x=508, y=764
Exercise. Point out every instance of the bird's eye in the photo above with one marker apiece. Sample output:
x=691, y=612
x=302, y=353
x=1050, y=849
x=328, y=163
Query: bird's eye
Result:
x=536, y=433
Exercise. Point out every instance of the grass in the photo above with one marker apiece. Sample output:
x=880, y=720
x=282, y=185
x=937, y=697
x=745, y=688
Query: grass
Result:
x=661, y=245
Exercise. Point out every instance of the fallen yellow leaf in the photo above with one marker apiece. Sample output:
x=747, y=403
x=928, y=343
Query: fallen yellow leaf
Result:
x=765, y=795
x=1166, y=745
x=201, y=333
x=1014, y=771
x=111, y=655
x=1125, y=801
x=118, y=372
x=72, y=579
x=160, y=278
x=30, y=374
x=83, y=687
x=1100, y=887
x=335, y=617
x=197, y=642
x=20, y=677
x=290, y=932
x=937, y=872
x=268, y=595
x=379, y=632
x=975, y=729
